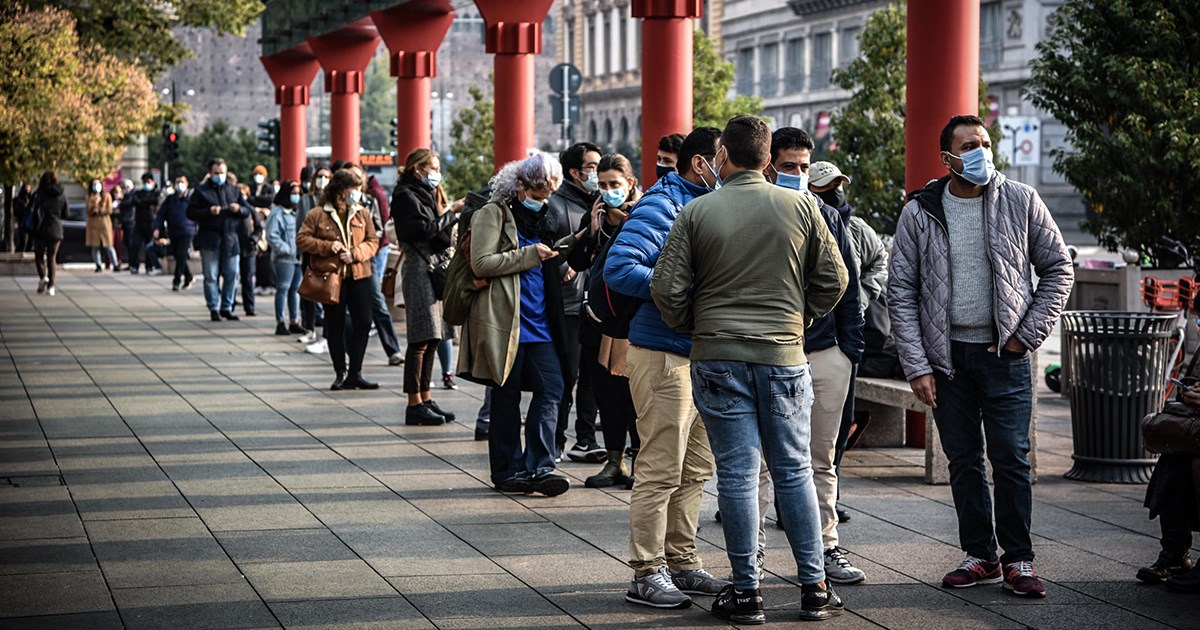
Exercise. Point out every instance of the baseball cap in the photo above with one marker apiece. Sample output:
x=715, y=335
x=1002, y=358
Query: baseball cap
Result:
x=824, y=173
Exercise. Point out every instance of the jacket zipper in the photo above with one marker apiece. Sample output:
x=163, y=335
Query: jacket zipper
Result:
x=987, y=245
x=949, y=285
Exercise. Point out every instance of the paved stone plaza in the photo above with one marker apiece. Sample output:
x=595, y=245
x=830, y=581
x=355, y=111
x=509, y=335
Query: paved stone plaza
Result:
x=159, y=470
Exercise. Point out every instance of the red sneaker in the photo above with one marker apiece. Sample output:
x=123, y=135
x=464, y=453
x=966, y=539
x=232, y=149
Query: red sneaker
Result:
x=1021, y=580
x=973, y=571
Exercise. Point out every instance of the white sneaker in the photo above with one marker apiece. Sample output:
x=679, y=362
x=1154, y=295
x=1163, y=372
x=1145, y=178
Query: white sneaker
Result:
x=839, y=570
x=50, y=291
x=154, y=272
x=42, y=285
x=320, y=347
x=308, y=337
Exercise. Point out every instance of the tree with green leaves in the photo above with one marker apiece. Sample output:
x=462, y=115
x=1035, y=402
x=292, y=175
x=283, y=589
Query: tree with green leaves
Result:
x=712, y=77
x=472, y=145
x=377, y=106
x=869, y=128
x=1123, y=76
x=238, y=147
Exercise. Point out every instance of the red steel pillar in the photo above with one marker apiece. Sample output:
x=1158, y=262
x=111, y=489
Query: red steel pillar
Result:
x=292, y=71
x=943, y=80
x=667, y=59
x=344, y=55
x=514, y=35
x=413, y=32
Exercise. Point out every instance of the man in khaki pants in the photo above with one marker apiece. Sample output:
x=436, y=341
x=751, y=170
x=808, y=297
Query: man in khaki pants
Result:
x=675, y=459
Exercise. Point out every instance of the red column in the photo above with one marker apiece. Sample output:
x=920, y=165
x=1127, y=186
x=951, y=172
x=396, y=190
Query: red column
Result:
x=413, y=32
x=344, y=55
x=943, y=80
x=667, y=61
x=514, y=35
x=292, y=72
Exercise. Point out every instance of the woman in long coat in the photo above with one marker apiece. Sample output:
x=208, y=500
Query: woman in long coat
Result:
x=99, y=235
x=514, y=328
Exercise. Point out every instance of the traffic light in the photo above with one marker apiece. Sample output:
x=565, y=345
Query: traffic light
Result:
x=171, y=146
x=394, y=133
x=268, y=136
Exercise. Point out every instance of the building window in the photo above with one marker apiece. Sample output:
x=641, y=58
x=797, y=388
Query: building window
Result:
x=848, y=46
x=991, y=46
x=608, y=132
x=624, y=129
x=745, y=71
x=624, y=41
x=570, y=42
x=822, y=60
x=607, y=42
x=793, y=71
x=770, y=70
x=590, y=42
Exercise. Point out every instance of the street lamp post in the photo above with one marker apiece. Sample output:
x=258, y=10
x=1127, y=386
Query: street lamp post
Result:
x=441, y=99
x=166, y=163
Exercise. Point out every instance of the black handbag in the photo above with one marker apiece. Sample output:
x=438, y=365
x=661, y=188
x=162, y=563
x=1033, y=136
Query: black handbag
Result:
x=437, y=274
x=1175, y=429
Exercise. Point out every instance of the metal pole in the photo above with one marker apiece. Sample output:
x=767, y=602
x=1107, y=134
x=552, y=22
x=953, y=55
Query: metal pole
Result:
x=167, y=163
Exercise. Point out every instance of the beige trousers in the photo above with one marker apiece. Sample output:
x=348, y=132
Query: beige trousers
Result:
x=672, y=466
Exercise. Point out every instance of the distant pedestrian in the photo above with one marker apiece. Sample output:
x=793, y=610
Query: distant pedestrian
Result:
x=218, y=207
x=308, y=309
x=49, y=209
x=144, y=204
x=744, y=269
x=22, y=206
x=173, y=224
x=1172, y=496
x=376, y=203
x=285, y=256
x=966, y=315
x=99, y=235
x=340, y=235
x=262, y=198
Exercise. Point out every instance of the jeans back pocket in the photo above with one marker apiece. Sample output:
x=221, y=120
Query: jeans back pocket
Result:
x=789, y=392
x=715, y=391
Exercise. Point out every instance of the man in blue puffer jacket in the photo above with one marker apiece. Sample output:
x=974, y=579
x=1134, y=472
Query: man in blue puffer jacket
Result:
x=675, y=459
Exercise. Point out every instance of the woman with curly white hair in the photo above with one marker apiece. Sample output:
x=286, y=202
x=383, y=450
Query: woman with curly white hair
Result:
x=516, y=322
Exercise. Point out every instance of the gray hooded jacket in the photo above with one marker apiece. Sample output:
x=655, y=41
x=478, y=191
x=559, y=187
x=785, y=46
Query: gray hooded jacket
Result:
x=1020, y=235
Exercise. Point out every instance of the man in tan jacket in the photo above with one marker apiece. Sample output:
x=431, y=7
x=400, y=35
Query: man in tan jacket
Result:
x=745, y=268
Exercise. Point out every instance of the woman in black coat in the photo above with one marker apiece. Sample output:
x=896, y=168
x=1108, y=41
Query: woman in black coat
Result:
x=49, y=208
x=423, y=227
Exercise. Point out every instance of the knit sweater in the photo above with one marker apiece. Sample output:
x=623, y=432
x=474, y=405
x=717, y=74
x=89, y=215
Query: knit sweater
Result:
x=971, y=293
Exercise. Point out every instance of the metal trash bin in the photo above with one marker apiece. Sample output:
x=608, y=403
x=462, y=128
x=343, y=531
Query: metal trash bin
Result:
x=1119, y=363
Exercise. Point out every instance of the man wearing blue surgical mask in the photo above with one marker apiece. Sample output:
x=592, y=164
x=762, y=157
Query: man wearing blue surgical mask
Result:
x=218, y=208
x=965, y=315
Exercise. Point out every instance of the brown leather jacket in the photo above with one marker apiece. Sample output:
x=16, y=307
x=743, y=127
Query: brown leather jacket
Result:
x=321, y=229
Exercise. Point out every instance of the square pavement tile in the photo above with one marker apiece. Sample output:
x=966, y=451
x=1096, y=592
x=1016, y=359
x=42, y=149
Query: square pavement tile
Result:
x=480, y=601
x=47, y=555
x=383, y=613
x=160, y=552
x=208, y=606
x=519, y=539
x=53, y=594
x=289, y=581
x=415, y=550
x=38, y=512
x=283, y=545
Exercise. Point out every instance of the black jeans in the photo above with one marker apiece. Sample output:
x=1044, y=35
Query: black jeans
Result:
x=535, y=369
x=618, y=417
x=142, y=236
x=246, y=268
x=127, y=236
x=180, y=245
x=997, y=393
x=576, y=376
x=418, y=366
x=356, y=300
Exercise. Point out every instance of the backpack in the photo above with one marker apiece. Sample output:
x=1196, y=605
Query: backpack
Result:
x=610, y=310
x=461, y=285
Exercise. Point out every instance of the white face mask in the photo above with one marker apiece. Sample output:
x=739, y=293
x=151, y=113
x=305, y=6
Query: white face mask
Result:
x=258, y=179
x=181, y=187
x=321, y=183
x=97, y=188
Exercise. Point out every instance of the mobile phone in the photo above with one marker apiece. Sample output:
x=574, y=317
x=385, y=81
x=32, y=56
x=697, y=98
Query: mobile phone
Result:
x=1179, y=382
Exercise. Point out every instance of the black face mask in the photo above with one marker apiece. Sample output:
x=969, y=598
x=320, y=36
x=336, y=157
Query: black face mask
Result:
x=835, y=197
x=661, y=171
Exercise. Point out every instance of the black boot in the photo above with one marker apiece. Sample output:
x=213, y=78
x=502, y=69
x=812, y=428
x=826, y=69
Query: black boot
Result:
x=1167, y=565
x=296, y=329
x=281, y=329
x=439, y=411
x=614, y=472
x=216, y=317
x=356, y=381
x=339, y=382
x=422, y=415
x=229, y=315
x=739, y=607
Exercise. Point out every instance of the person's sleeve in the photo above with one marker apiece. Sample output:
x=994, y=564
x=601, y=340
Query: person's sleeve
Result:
x=904, y=290
x=847, y=315
x=160, y=218
x=825, y=272
x=275, y=237
x=307, y=242
x=581, y=255
x=1056, y=275
x=631, y=259
x=874, y=263
x=243, y=207
x=415, y=223
x=487, y=228
x=671, y=284
x=369, y=246
x=196, y=208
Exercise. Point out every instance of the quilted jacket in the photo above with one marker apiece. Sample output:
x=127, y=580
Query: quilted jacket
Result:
x=1020, y=233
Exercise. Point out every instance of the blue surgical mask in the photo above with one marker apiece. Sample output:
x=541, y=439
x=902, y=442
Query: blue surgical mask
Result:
x=716, y=176
x=592, y=183
x=433, y=179
x=533, y=204
x=614, y=197
x=295, y=199
x=219, y=179
x=355, y=196
x=977, y=165
x=148, y=185
x=795, y=182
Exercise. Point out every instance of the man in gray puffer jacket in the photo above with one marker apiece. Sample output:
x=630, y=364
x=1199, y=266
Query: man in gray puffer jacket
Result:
x=965, y=315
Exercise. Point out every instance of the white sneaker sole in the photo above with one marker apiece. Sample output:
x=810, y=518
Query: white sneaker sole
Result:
x=637, y=600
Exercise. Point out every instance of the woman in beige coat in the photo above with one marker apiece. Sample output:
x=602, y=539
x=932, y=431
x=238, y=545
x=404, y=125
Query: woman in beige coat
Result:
x=99, y=234
x=509, y=338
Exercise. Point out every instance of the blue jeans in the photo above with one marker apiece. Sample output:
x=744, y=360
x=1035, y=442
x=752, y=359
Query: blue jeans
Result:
x=217, y=264
x=287, y=283
x=997, y=393
x=750, y=409
x=535, y=369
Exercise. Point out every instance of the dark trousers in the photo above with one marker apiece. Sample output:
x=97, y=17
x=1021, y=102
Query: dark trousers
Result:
x=535, y=369
x=246, y=267
x=356, y=307
x=180, y=245
x=618, y=417
x=45, y=258
x=143, y=237
x=127, y=241
x=576, y=377
x=264, y=270
x=995, y=393
x=418, y=366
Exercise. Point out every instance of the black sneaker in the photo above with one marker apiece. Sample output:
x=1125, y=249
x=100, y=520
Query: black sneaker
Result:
x=422, y=415
x=550, y=484
x=516, y=485
x=296, y=329
x=1168, y=564
x=448, y=381
x=739, y=607
x=281, y=329
x=229, y=315
x=356, y=381
x=450, y=417
x=818, y=604
x=216, y=317
x=589, y=452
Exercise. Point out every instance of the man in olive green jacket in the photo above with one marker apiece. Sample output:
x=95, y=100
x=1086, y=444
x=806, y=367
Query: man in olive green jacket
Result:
x=745, y=268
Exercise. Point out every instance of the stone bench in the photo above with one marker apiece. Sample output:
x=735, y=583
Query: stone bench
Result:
x=888, y=401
